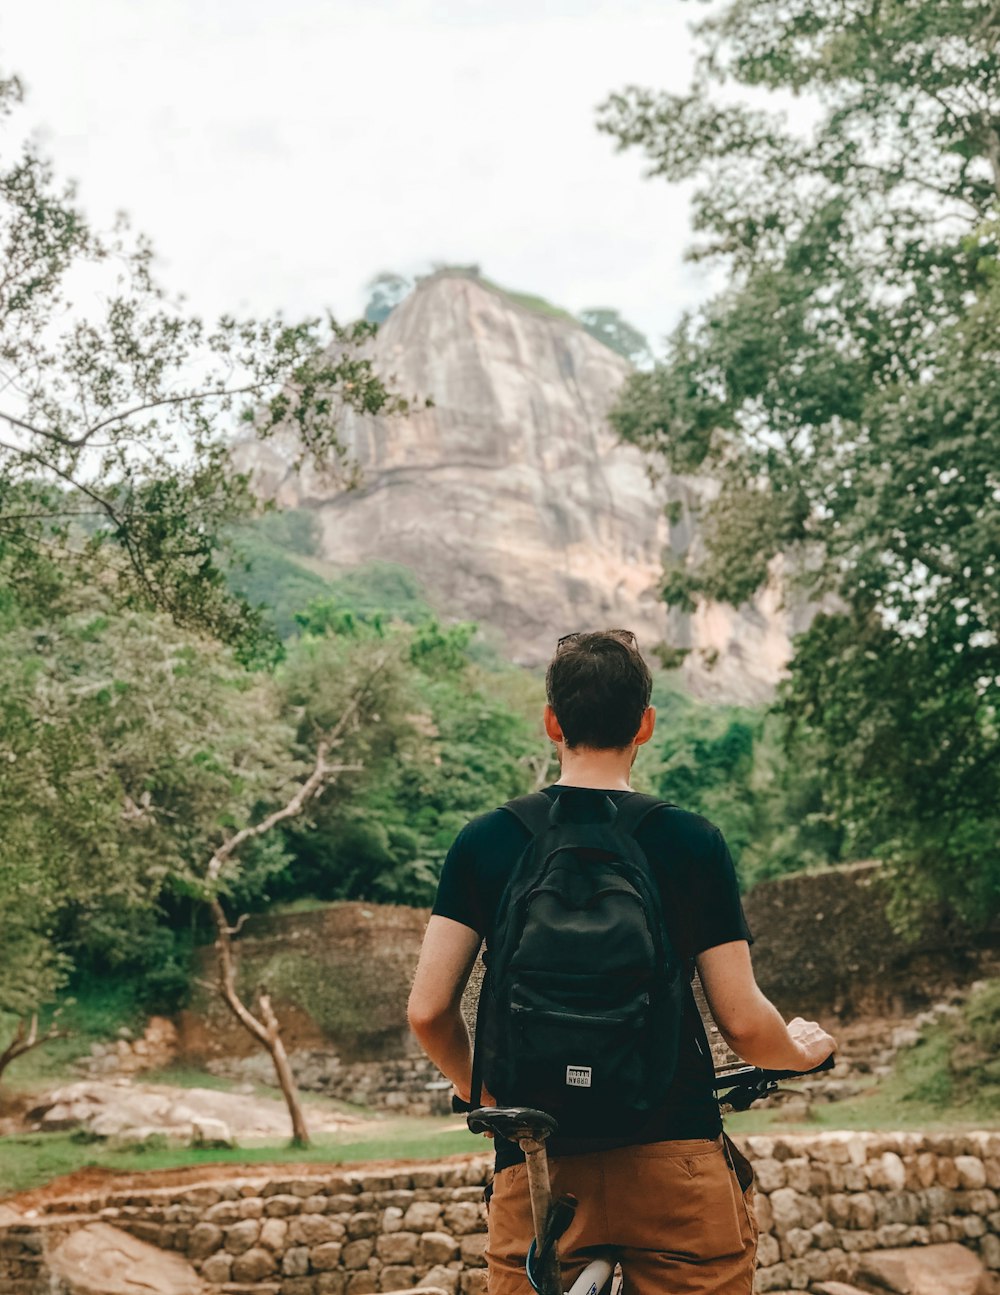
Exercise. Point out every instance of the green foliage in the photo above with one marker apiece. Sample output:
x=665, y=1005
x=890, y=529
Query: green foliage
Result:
x=608, y=327
x=128, y=750
x=447, y=746
x=976, y=1059
x=275, y=581
x=119, y=404
x=379, y=587
x=387, y=291
x=276, y=570
x=728, y=763
x=955, y=1062
x=843, y=390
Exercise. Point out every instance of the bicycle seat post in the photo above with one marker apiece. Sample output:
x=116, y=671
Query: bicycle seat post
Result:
x=536, y=1162
x=529, y=1129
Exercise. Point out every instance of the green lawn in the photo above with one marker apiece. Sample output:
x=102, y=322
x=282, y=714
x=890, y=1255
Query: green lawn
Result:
x=34, y=1159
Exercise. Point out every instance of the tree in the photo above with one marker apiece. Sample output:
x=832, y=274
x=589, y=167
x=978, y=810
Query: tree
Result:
x=118, y=404
x=843, y=391
x=265, y=1027
x=387, y=291
x=126, y=744
x=608, y=327
x=448, y=744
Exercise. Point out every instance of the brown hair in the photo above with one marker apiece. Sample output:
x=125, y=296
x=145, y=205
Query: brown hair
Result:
x=599, y=687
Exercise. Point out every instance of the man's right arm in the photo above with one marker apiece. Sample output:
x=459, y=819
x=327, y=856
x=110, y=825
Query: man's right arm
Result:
x=751, y=1025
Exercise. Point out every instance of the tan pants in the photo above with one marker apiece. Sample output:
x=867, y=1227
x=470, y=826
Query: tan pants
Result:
x=678, y=1217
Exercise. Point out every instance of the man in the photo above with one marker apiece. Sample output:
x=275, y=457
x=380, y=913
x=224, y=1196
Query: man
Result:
x=676, y=1201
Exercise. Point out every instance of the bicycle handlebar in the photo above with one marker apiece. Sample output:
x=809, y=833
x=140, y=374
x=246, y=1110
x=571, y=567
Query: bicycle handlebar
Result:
x=738, y=1087
x=751, y=1082
x=728, y=1076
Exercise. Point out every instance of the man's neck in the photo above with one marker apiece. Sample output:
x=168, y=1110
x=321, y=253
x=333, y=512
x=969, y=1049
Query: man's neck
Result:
x=602, y=770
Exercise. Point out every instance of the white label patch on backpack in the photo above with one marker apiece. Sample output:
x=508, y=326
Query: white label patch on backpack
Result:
x=579, y=1076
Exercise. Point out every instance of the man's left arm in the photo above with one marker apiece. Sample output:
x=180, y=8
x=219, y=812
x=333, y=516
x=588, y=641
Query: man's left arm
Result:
x=435, y=1008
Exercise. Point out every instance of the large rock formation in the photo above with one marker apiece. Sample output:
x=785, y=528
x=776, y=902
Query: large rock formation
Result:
x=511, y=498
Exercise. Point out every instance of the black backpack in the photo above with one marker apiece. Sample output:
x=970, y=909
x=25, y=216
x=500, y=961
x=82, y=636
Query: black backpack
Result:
x=580, y=1008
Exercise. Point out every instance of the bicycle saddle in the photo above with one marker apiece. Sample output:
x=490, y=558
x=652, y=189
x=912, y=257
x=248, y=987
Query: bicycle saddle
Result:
x=512, y=1122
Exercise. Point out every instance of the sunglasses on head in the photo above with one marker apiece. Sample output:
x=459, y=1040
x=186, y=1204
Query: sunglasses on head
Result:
x=623, y=636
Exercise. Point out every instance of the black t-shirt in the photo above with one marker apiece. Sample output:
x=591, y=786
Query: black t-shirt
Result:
x=701, y=909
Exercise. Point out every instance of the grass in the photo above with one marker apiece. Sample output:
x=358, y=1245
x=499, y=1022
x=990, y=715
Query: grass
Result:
x=949, y=1080
x=35, y=1159
x=94, y=1014
x=180, y=1076
x=529, y=301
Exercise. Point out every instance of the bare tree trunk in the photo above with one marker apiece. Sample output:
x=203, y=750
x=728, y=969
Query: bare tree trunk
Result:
x=26, y=1037
x=267, y=1032
x=283, y=1069
x=266, y=1029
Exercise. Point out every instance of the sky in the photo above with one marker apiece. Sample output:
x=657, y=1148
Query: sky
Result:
x=281, y=155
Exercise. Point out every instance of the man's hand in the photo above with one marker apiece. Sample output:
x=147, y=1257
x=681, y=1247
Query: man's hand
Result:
x=485, y=1099
x=465, y=1095
x=812, y=1041
x=751, y=1025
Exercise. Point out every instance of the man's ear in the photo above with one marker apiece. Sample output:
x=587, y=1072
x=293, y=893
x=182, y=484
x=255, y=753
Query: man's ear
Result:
x=646, y=726
x=552, y=728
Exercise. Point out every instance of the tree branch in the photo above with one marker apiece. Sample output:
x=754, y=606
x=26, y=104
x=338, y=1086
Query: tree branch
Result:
x=220, y=393
x=308, y=789
x=25, y=1040
x=78, y=442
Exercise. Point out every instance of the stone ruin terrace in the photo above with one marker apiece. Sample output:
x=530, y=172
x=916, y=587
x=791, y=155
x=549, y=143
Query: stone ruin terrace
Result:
x=839, y=1213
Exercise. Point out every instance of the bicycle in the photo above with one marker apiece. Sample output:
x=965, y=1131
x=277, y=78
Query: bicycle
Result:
x=738, y=1087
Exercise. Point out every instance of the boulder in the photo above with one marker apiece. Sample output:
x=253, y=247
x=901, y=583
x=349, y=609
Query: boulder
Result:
x=207, y=1132
x=101, y=1260
x=947, y=1269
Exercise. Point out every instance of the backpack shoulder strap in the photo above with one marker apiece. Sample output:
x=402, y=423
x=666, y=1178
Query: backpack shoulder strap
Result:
x=633, y=810
x=531, y=811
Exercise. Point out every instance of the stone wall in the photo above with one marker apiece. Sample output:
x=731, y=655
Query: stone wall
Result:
x=22, y=1260
x=824, y=1203
x=407, y=1086
x=824, y=945
x=339, y=977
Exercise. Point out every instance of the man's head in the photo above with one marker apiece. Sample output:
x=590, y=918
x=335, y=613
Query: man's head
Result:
x=598, y=689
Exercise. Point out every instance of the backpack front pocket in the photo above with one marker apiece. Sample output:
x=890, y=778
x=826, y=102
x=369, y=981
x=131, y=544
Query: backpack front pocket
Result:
x=584, y=1053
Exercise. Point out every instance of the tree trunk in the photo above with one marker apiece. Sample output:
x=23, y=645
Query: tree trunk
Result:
x=283, y=1069
x=26, y=1037
x=267, y=1032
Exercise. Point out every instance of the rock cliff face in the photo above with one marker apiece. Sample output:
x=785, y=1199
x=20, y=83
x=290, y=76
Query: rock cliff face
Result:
x=511, y=498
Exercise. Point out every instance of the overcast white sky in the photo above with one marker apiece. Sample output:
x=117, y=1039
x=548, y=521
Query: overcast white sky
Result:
x=279, y=155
